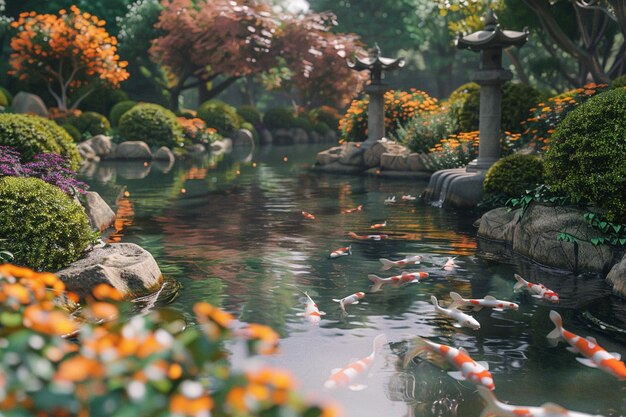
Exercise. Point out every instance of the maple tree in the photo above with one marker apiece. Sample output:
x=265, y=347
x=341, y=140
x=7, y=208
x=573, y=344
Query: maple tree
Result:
x=70, y=51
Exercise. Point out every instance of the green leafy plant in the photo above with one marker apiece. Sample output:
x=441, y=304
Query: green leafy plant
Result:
x=512, y=175
x=153, y=124
x=540, y=194
x=278, y=117
x=118, y=110
x=250, y=114
x=219, y=116
x=90, y=124
x=72, y=131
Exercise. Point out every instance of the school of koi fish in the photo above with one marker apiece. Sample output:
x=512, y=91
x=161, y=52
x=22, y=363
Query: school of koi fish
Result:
x=466, y=369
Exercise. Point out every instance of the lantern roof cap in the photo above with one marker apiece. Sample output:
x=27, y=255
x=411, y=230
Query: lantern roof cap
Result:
x=492, y=36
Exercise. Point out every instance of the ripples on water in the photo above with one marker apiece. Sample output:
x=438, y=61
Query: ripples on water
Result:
x=233, y=234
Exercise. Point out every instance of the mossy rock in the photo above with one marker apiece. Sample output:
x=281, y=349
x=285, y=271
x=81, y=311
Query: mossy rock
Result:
x=153, y=124
x=512, y=175
x=118, y=110
x=220, y=116
x=587, y=155
x=43, y=227
x=32, y=135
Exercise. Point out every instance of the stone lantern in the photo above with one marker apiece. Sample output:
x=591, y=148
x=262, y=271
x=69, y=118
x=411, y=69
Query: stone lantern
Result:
x=376, y=89
x=463, y=187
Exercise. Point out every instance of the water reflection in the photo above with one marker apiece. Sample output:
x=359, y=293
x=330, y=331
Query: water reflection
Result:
x=230, y=229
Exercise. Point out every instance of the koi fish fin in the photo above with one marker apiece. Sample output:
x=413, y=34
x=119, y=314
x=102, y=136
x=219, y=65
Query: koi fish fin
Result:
x=379, y=342
x=457, y=300
x=587, y=362
x=456, y=375
x=537, y=296
x=336, y=300
x=387, y=264
x=355, y=302
x=378, y=282
x=484, y=364
x=457, y=325
x=433, y=300
x=350, y=250
x=335, y=370
x=490, y=298
x=552, y=408
x=555, y=335
x=322, y=313
x=357, y=387
x=616, y=355
x=592, y=340
x=462, y=349
x=521, y=283
x=491, y=409
x=572, y=349
x=301, y=314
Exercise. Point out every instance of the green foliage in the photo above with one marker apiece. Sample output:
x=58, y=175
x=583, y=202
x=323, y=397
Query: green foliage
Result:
x=118, y=110
x=327, y=115
x=4, y=100
x=102, y=100
x=31, y=135
x=153, y=124
x=619, y=82
x=541, y=194
x=278, y=117
x=303, y=122
x=90, y=124
x=7, y=94
x=220, y=116
x=250, y=114
x=586, y=159
x=512, y=175
x=72, y=131
x=425, y=130
x=464, y=103
x=45, y=229
x=321, y=128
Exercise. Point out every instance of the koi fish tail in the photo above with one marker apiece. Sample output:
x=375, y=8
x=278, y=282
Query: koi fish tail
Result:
x=353, y=235
x=433, y=300
x=379, y=342
x=457, y=300
x=387, y=264
x=555, y=335
x=521, y=283
x=350, y=250
x=378, y=282
x=418, y=349
x=492, y=408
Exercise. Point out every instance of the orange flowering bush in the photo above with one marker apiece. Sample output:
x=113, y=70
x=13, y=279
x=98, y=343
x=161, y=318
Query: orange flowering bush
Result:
x=143, y=366
x=196, y=130
x=70, y=51
x=400, y=107
x=546, y=116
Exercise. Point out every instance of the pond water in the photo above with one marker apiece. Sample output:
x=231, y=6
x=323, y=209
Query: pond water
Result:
x=230, y=229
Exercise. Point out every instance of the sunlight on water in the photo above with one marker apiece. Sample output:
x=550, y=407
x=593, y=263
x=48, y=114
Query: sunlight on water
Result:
x=236, y=237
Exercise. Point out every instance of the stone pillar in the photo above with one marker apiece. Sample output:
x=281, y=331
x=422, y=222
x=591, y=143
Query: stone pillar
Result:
x=375, y=114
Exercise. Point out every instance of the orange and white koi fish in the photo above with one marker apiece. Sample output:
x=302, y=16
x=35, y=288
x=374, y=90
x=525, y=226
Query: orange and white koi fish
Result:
x=390, y=200
x=467, y=369
x=595, y=356
x=308, y=215
x=311, y=312
x=379, y=225
x=341, y=252
x=500, y=409
x=342, y=377
x=478, y=303
x=450, y=265
x=367, y=237
x=396, y=280
x=463, y=320
x=351, y=299
x=352, y=210
x=408, y=197
x=409, y=260
x=536, y=290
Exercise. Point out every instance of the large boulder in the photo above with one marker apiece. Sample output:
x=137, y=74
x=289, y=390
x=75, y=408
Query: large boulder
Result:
x=101, y=217
x=86, y=152
x=164, y=154
x=134, y=149
x=242, y=137
x=329, y=155
x=29, y=103
x=102, y=145
x=372, y=156
x=617, y=277
x=125, y=266
x=352, y=154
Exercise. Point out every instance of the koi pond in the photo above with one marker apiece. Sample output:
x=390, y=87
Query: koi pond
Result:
x=231, y=231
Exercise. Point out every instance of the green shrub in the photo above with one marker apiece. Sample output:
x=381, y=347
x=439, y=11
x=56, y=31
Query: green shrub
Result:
x=153, y=124
x=586, y=159
x=72, y=131
x=321, y=128
x=250, y=114
x=328, y=115
x=278, y=117
x=4, y=100
x=619, y=82
x=303, y=122
x=220, y=116
x=90, y=124
x=44, y=228
x=31, y=135
x=118, y=110
x=425, y=130
x=512, y=175
x=7, y=94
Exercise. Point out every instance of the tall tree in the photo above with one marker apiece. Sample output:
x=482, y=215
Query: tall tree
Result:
x=66, y=52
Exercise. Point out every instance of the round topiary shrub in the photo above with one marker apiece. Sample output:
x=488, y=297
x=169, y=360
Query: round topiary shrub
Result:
x=72, y=131
x=220, y=116
x=586, y=158
x=250, y=114
x=43, y=227
x=278, y=117
x=153, y=124
x=90, y=124
x=118, y=110
x=31, y=135
x=619, y=82
x=512, y=175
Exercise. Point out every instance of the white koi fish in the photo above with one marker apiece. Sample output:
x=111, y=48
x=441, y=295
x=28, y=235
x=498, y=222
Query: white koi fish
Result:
x=595, y=356
x=351, y=299
x=500, y=409
x=478, y=303
x=467, y=368
x=408, y=197
x=367, y=237
x=454, y=313
x=536, y=290
x=396, y=280
x=390, y=200
x=311, y=312
x=410, y=260
x=450, y=265
x=341, y=252
x=342, y=377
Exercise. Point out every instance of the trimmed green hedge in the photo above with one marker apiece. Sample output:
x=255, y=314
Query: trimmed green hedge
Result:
x=43, y=227
x=512, y=175
x=118, y=111
x=153, y=124
x=90, y=124
x=220, y=116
